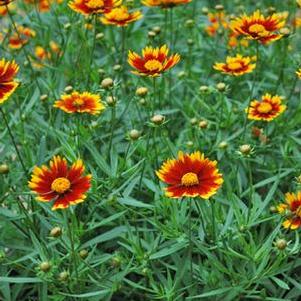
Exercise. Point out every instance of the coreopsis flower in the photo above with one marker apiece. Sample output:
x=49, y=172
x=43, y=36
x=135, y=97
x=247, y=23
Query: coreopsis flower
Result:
x=292, y=210
x=217, y=20
x=88, y=7
x=258, y=27
x=153, y=62
x=164, y=3
x=298, y=72
x=190, y=175
x=80, y=103
x=8, y=85
x=236, y=66
x=60, y=183
x=18, y=40
x=43, y=5
x=267, y=109
x=120, y=16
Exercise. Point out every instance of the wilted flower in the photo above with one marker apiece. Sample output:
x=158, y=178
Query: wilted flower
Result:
x=190, y=175
x=153, y=62
x=64, y=185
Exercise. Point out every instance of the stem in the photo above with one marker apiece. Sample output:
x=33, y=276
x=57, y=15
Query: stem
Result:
x=92, y=51
x=113, y=115
x=190, y=250
x=13, y=141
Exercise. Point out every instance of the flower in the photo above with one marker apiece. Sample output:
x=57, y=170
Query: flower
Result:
x=217, y=20
x=8, y=71
x=20, y=38
x=43, y=5
x=190, y=175
x=298, y=72
x=61, y=183
x=80, y=103
x=260, y=28
x=292, y=209
x=164, y=3
x=120, y=16
x=87, y=7
x=236, y=66
x=267, y=109
x=153, y=62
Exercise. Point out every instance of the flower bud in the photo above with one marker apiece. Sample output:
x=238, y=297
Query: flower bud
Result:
x=4, y=169
x=156, y=29
x=43, y=97
x=205, y=10
x=83, y=254
x=158, y=119
x=68, y=89
x=219, y=7
x=107, y=83
x=223, y=145
x=64, y=276
x=193, y=121
x=111, y=101
x=100, y=36
x=45, y=266
x=182, y=74
x=221, y=87
x=134, y=134
x=281, y=244
x=141, y=91
x=203, y=124
x=56, y=232
x=204, y=89
x=190, y=23
x=245, y=149
x=117, y=68
x=151, y=34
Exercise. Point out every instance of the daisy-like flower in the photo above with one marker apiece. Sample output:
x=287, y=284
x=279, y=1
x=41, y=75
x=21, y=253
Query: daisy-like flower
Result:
x=258, y=27
x=153, y=62
x=120, y=16
x=190, y=175
x=267, y=109
x=8, y=85
x=292, y=209
x=60, y=183
x=18, y=40
x=164, y=3
x=298, y=72
x=80, y=103
x=236, y=66
x=88, y=7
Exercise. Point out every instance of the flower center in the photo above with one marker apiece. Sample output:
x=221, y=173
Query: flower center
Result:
x=264, y=108
x=60, y=185
x=190, y=179
x=234, y=65
x=153, y=65
x=78, y=102
x=95, y=3
x=257, y=28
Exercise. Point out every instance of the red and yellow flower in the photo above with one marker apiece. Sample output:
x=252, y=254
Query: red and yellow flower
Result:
x=164, y=3
x=153, y=61
x=236, y=66
x=80, y=103
x=120, y=16
x=190, y=175
x=8, y=85
x=18, y=40
x=298, y=72
x=43, y=5
x=292, y=209
x=88, y=7
x=217, y=20
x=258, y=27
x=60, y=183
x=267, y=109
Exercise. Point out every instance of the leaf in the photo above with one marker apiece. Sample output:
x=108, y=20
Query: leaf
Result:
x=20, y=279
x=280, y=283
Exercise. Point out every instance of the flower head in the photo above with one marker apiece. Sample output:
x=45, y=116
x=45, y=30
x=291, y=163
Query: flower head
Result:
x=236, y=66
x=153, y=62
x=217, y=20
x=88, y=7
x=120, y=16
x=258, y=27
x=18, y=40
x=164, y=3
x=190, y=175
x=267, y=109
x=292, y=209
x=80, y=103
x=61, y=183
x=8, y=71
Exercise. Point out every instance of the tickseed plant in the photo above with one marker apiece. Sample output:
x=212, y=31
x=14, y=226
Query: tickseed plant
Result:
x=150, y=150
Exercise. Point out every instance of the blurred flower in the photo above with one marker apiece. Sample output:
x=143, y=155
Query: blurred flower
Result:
x=20, y=38
x=120, y=16
x=236, y=66
x=217, y=20
x=164, y=3
x=267, y=109
x=43, y=5
x=292, y=209
x=88, y=7
x=4, y=8
x=80, y=103
x=66, y=186
x=260, y=28
x=153, y=62
x=8, y=70
x=190, y=175
x=299, y=73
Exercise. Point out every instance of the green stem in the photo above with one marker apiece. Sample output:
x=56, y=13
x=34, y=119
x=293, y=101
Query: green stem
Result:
x=190, y=250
